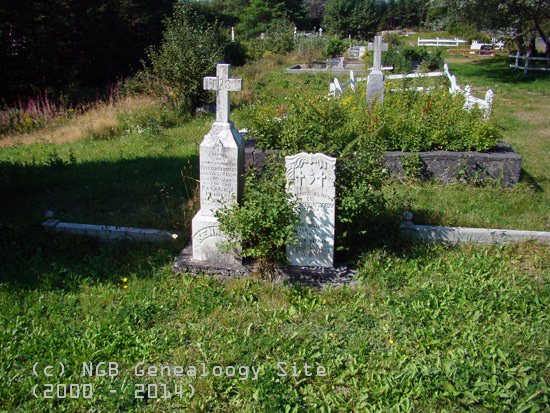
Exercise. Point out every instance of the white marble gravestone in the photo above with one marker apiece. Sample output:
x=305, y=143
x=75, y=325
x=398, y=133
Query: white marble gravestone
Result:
x=375, y=81
x=311, y=178
x=221, y=168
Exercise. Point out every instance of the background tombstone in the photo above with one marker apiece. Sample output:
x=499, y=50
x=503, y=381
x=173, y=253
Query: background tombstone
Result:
x=375, y=81
x=311, y=178
x=221, y=168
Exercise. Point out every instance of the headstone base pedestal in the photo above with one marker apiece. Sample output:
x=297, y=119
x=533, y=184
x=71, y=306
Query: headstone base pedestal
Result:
x=207, y=240
x=186, y=264
x=314, y=277
x=375, y=87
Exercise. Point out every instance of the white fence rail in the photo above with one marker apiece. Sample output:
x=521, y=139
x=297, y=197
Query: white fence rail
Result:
x=337, y=89
x=470, y=101
x=441, y=42
x=456, y=235
x=526, y=66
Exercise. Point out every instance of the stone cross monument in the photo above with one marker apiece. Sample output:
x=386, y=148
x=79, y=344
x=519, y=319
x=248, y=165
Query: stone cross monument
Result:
x=221, y=168
x=375, y=81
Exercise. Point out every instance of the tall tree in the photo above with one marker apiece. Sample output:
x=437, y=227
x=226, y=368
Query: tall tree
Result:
x=360, y=18
x=261, y=14
x=190, y=50
x=315, y=11
x=526, y=19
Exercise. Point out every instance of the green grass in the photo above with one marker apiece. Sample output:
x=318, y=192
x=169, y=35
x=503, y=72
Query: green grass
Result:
x=521, y=110
x=429, y=328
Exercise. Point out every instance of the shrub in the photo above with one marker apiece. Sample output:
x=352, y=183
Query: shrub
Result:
x=310, y=48
x=264, y=223
x=408, y=120
x=300, y=123
x=279, y=39
x=417, y=121
x=335, y=47
x=189, y=51
x=347, y=129
x=361, y=207
x=407, y=58
x=313, y=124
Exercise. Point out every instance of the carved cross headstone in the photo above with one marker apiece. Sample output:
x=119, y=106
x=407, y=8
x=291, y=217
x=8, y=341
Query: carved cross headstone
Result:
x=221, y=168
x=375, y=81
x=311, y=178
x=378, y=46
x=222, y=84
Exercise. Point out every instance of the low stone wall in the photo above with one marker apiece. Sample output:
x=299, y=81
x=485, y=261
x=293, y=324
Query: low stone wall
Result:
x=501, y=164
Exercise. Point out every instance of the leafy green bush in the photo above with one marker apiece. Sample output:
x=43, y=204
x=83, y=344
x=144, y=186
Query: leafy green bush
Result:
x=279, y=39
x=189, y=51
x=362, y=210
x=335, y=47
x=313, y=124
x=299, y=123
x=408, y=120
x=347, y=129
x=405, y=58
x=310, y=48
x=417, y=121
x=264, y=223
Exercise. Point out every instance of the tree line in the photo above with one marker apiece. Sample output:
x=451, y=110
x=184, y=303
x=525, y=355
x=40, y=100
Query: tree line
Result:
x=73, y=48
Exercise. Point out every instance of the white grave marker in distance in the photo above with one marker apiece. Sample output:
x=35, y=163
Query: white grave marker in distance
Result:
x=375, y=81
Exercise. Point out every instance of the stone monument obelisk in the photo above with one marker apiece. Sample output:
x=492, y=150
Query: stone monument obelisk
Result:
x=375, y=81
x=221, y=169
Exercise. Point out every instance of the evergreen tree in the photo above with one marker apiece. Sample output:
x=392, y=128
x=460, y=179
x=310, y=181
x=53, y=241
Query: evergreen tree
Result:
x=360, y=18
x=261, y=14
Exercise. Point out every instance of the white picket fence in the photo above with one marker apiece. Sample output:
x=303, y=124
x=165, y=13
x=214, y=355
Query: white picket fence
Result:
x=337, y=89
x=470, y=101
x=526, y=66
x=495, y=44
x=441, y=42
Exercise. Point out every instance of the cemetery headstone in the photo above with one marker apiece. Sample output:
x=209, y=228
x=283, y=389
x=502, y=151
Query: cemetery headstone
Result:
x=311, y=178
x=221, y=168
x=375, y=81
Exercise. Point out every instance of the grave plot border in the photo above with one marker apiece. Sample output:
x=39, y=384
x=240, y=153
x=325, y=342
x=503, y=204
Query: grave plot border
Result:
x=500, y=165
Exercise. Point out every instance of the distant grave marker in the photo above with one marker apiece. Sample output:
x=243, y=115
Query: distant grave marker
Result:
x=375, y=81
